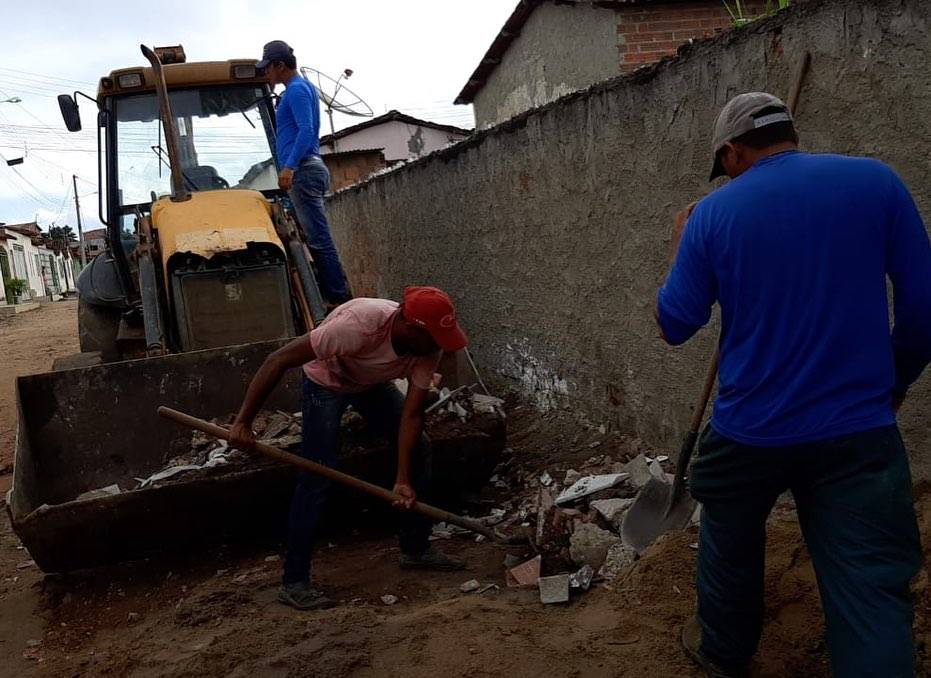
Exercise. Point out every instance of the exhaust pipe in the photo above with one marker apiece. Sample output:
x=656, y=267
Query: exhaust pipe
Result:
x=179, y=192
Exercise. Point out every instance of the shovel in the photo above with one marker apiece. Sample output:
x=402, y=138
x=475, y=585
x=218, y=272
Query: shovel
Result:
x=436, y=514
x=661, y=507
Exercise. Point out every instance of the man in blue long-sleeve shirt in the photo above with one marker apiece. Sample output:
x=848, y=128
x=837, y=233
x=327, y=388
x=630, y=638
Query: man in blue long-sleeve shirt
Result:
x=797, y=249
x=302, y=171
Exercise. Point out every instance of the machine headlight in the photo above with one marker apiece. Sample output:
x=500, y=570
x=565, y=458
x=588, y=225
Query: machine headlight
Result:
x=129, y=80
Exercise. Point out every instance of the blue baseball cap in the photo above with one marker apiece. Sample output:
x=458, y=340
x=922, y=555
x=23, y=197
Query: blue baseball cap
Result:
x=276, y=50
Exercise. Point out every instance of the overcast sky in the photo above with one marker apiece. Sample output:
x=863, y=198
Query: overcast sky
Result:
x=410, y=55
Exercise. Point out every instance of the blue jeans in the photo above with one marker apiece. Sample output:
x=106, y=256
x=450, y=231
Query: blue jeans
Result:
x=854, y=501
x=323, y=413
x=311, y=182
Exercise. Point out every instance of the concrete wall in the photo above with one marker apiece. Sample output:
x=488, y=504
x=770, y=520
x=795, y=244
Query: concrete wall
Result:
x=561, y=48
x=552, y=230
x=396, y=138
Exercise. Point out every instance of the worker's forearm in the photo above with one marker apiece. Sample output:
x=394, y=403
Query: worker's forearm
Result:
x=408, y=436
x=262, y=384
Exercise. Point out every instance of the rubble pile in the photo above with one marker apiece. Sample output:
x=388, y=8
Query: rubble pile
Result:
x=575, y=518
x=462, y=416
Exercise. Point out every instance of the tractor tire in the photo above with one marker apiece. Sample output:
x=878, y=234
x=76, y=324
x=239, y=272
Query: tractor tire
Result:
x=97, y=330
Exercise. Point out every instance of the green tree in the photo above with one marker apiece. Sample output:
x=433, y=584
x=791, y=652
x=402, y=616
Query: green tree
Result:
x=62, y=234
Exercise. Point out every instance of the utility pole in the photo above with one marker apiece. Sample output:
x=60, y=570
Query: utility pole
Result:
x=77, y=211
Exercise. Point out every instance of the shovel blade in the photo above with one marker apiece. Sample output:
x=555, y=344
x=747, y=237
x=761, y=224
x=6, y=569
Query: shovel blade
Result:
x=651, y=515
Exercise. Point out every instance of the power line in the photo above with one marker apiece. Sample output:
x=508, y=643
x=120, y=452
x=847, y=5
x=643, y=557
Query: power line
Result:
x=45, y=76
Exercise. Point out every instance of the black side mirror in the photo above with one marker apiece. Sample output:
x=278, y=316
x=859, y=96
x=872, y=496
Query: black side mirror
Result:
x=69, y=112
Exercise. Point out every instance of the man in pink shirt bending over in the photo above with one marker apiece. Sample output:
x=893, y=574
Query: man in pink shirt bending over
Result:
x=351, y=359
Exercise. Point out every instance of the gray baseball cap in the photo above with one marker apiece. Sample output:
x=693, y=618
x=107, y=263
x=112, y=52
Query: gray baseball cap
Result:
x=743, y=114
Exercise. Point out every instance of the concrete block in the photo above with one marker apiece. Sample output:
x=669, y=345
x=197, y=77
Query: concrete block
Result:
x=554, y=589
x=613, y=510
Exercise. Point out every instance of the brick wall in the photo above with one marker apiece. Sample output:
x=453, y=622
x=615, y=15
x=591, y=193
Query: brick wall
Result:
x=647, y=34
x=352, y=166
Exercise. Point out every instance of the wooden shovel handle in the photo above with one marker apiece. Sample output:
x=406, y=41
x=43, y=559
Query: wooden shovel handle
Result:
x=435, y=514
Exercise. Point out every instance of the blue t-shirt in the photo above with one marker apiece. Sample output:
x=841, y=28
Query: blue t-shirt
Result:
x=796, y=251
x=298, y=123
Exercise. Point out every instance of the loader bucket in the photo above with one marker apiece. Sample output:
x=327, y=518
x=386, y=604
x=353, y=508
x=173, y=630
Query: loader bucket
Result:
x=88, y=428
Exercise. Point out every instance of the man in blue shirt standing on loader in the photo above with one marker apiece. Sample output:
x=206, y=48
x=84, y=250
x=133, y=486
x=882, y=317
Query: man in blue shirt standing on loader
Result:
x=302, y=171
x=796, y=249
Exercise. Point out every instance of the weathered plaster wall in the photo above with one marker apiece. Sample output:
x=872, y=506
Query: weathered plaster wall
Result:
x=560, y=49
x=395, y=138
x=552, y=230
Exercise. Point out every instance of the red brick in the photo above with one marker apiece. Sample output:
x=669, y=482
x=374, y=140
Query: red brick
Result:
x=634, y=38
x=658, y=47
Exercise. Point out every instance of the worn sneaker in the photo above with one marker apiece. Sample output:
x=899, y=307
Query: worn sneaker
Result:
x=431, y=559
x=691, y=643
x=303, y=596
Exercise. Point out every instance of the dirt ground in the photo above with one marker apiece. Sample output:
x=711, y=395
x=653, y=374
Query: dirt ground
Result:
x=214, y=613
x=31, y=341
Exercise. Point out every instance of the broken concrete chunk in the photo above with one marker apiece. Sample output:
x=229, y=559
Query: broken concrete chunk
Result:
x=572, y=477
x=277, y=424
x=546, y=479
x=389, y=599
x=639, y=471
x=589, y=545
x=486, y=403
x=695, y=520
x=554, y=589
x=524, y=575
x=99, y=493
x=544, y=503
x=617, y=560
x=582, y=579
x=469, y=586
x=612, y=510
x=589, y=485
x=656, y=470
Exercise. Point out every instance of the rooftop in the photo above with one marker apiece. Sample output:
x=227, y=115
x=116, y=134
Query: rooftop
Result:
x=392, y=116
x=512, y=28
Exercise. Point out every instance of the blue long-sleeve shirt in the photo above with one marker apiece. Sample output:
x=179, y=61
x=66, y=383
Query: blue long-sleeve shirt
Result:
x=298, y=123
x=797, y=251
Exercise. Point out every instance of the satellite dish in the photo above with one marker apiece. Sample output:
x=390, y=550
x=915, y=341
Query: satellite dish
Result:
x=335, y=95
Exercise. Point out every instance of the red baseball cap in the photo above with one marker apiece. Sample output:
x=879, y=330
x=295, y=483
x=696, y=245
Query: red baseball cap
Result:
x=433, y=310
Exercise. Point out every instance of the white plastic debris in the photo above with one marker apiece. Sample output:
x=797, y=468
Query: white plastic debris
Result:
x=169, y=472
x=589, y=485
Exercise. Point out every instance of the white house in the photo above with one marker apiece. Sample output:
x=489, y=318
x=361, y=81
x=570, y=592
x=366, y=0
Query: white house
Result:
x=26, y=254
x=397, y=135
